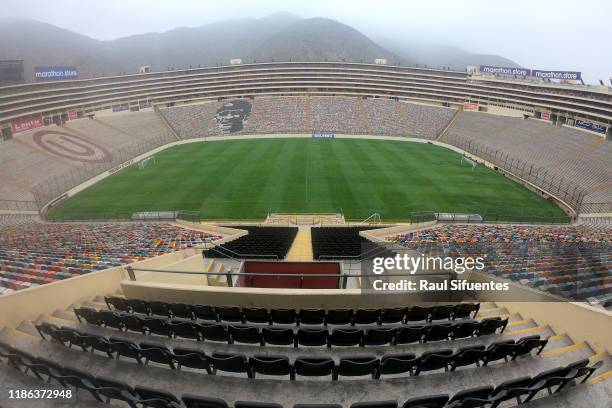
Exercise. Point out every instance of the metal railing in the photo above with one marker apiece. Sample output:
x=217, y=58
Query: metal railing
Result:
x=238, y=256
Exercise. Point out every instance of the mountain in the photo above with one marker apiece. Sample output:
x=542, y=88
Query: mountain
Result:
x=321, y=39
x=279, y=37
x=437, y=56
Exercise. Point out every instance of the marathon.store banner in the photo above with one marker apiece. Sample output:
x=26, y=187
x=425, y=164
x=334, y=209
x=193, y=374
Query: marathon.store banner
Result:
x=594, y=127
x=26, y=123
x=55, y=73
x=524, y=72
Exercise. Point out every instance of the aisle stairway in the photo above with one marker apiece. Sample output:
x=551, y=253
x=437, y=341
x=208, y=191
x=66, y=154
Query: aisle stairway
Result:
x=559, y=352
x=301, y=249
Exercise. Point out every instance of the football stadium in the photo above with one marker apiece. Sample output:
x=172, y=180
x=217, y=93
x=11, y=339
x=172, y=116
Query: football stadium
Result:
x=306, y=234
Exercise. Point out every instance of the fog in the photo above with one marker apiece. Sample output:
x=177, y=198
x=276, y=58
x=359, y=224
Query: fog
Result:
x=543, y=34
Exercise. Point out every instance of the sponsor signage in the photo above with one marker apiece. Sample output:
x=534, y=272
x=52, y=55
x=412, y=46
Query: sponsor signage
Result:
x=26, y=123
x=594, y=127
x=536, y=73
x=55, y=73
x=545, y=116
x=489, y=69
x=470, y=106
x=323, y=135
x=72, y=114
x=563, y=75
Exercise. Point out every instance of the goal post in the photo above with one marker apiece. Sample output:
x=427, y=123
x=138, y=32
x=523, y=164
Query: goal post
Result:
x=146, y=161
x=468, y=161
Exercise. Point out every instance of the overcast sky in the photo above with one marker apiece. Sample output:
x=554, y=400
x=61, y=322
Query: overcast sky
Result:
x=544, y=34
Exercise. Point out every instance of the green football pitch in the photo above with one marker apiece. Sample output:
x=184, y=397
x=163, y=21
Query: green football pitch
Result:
x=245, y=179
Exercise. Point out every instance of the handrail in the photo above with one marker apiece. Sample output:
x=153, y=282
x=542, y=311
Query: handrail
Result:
x=243, y=256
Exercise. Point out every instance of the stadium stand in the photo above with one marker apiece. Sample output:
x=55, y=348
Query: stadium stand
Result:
x=338, y=242
x=98, y=145
x=36, y=253
x=260, y=243
x=574, y=155
x=569, y=261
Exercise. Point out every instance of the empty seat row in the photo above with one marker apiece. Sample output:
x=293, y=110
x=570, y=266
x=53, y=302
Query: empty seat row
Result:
x=292, y=316
x=287, y=336
x=522, y=389
x=368, y=365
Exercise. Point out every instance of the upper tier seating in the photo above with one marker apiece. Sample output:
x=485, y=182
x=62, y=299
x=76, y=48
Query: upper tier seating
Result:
x=24, y=163
x=259, y=243
x=577, y=156
x=33, y=253
x=570, y=261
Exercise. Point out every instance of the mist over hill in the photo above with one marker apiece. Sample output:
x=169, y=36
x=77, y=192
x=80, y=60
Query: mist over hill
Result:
x=278, y=37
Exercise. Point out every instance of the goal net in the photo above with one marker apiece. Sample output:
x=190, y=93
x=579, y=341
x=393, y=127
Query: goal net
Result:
x=469, y=162
x=145, y=162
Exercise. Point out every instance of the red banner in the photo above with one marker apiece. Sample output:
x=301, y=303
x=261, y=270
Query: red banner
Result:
x=27, y=123
x=72, y=114
x=545, y=116
x=470, y=106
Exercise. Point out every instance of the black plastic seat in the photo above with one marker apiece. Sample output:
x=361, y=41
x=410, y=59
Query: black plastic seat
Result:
x=80, y=380
x=181, y=310
x=205, y=312
x=156, y=353
x=137, y=306
x=42, y=367
x=248, y=335
x=159, y=308
x=394, y=315
x=345, y=337
x=442, y=312
x=133, y=323
x=117, y=303
x=233, y=363
x=511, y=390
x=491, y=325
x=109, y=318
x=467, y=356
x=397, y=364
x=527, y=344
x=499, y=350
x=88, y=314
x=314, y=366
x=465, y=329
x=312, y=337
x=187, y=330
x=375, y=404
x=256, y=315
x=185, y=357
x=150, y=394
x=466, y=310
x=366, y=316
x=339, y=316
x=480, y=393
x=379, y=336
x=48, y=331
x=214, y=332
x=418, y=314
x=311, y=316
x=278, y=336
x=116, y=390
x=98, y=343
x=409, y=334
x=437, y=332
x=195, y=401
x=283, y=316
x=271, y=365
x=80, y=340
x=434, y=360
x=124, y=348
x=357, y=366
x=430, y=401
x=154, y=325
x=230, y=314
x=317, y=406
